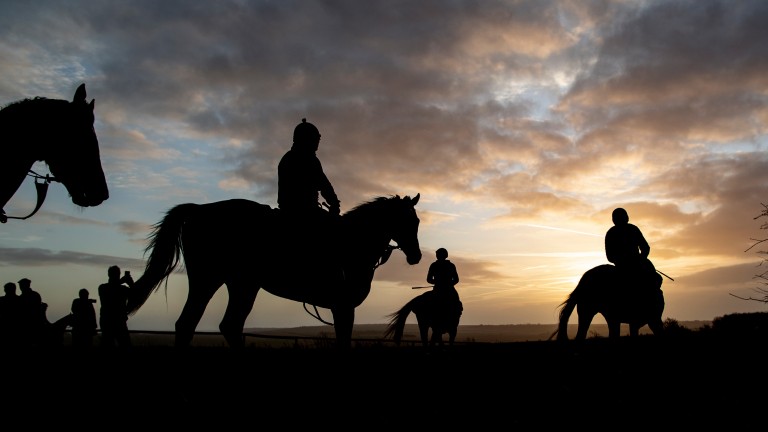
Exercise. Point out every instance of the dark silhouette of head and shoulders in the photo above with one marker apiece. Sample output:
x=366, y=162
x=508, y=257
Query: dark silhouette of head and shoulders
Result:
x=301, y=179
x=84, y=322
x=624, y=242
x=627, y=248
x=9, y=314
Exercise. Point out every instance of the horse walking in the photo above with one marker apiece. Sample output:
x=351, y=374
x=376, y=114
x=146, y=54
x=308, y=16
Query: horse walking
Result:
x=601, y=290
x=431, y=312
x=243, y=244
x=60, y=133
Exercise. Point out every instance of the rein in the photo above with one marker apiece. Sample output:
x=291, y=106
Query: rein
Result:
x=382, y=259
x=42, y=191
x=385, y=256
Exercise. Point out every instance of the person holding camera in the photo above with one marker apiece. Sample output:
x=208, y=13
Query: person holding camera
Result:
x=113, y=315
x=83, y=320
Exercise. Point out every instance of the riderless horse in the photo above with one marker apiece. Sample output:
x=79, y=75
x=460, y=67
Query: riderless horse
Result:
x=59, y=132
x=248, y=246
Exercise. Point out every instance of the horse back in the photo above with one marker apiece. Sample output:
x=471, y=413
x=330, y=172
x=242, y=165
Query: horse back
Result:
x=223, y=230
x=246, y=242
x=602, y=290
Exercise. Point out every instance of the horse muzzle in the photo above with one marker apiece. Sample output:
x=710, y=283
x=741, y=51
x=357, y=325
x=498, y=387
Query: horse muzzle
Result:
x=413, y=257
x=84, y=200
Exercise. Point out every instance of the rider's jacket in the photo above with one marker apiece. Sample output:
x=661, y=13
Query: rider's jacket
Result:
x=625, y=245
x=300, y=179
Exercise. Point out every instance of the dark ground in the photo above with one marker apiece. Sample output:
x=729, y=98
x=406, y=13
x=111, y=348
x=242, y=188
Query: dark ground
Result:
x=647, y=382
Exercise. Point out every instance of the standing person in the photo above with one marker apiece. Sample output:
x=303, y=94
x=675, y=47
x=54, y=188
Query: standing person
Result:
x=113, y=315
x=32, y=314
x=9, y=315
x=83, y=320
x=627, y=249
x=443, y=275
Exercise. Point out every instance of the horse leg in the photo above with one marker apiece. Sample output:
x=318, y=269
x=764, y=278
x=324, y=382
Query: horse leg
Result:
x=656, y=326
x=585, y=320
x=200, y=293
x=437, y=336
x=242, y=295
x=424, y=332
x=614, y=329
x=343, y=322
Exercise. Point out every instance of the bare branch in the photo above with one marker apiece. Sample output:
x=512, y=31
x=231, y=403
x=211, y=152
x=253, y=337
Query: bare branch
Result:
x=763, y=275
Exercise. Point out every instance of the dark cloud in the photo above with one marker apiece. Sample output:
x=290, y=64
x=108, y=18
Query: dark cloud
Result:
x=540, y=112
x=37, y=257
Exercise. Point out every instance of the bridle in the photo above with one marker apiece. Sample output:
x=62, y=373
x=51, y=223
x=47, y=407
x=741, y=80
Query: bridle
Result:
x=42, y=192
x=382, y=259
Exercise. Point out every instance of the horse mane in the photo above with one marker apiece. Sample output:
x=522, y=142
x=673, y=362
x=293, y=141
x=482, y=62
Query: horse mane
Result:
x=24, y=101
x=373, y=206
x=16, y=112
x=373, y=203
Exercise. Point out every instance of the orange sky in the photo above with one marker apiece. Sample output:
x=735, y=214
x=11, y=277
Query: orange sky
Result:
x=521, y=124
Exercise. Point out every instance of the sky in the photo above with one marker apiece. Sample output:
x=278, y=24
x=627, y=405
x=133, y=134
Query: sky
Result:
x=521, y=124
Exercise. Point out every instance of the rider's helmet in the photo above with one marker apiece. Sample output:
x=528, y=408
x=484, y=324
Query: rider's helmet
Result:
x=305, y=134
x=441, y=253
x=620, y=216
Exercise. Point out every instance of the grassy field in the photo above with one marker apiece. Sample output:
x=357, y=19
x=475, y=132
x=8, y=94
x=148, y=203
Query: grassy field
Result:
x=688, y=379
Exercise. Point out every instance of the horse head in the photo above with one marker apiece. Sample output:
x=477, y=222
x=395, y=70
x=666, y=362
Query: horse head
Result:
x=406, y=229
x=77, y=165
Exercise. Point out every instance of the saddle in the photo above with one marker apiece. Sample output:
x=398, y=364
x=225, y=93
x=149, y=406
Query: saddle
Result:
x=308, y=245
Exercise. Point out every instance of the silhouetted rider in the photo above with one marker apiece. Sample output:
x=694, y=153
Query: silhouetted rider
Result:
x=300, y=183
x=626, y=247
x=443, y=275
x=301, y=178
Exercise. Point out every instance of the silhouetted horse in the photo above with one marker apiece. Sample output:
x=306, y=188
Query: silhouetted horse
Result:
x=54, y=332
x=60, y=133
x=601, y=290
x=248, y=246
x=430, y=313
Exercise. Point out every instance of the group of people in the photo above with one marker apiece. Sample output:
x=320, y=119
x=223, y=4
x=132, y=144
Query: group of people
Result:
x=301, y=182
x=24, y=321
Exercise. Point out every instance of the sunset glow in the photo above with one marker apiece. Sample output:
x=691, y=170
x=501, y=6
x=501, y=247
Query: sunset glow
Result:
x=522, y=125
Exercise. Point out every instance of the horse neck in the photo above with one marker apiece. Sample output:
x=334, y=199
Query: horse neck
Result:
x=366, y=244
x=14, y=166
x=31, y=128
x=25, y=143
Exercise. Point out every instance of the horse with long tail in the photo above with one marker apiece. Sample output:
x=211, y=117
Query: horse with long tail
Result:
x=601, y=290
x=432, y=312
x=248, y=246
x=60, y=133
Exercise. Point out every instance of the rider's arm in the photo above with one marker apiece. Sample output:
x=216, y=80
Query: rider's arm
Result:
x=642, y=244
x=431, y=274
x=455, y=275
x=609, y=249
x=326, y=189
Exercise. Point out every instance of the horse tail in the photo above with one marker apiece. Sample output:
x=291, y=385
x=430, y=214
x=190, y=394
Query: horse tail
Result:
x=397, y=321
x=165, y=251
x=566, y=309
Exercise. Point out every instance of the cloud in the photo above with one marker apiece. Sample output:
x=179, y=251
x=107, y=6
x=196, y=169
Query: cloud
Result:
x=38, y=257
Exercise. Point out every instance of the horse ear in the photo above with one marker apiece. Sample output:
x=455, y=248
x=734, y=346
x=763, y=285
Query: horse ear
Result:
x=79, y=94
x=416, y=199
